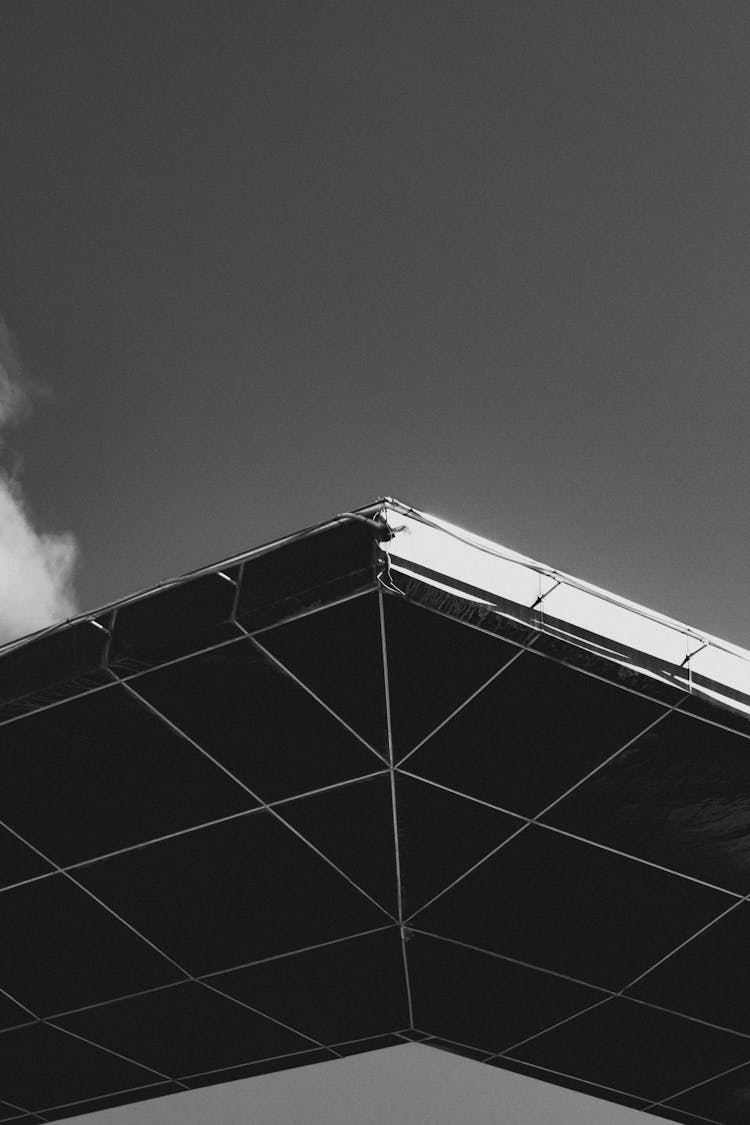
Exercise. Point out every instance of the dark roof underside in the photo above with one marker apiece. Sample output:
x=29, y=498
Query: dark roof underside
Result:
x=279, y=814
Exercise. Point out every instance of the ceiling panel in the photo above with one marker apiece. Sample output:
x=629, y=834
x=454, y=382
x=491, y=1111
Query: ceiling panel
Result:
x=278, y=813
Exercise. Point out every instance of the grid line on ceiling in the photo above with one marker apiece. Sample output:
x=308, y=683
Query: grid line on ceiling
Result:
x=159, y=664
x=536, y=633
x=198, y=978
x=309, y=612
x=109, y=1051
x=528, y=821
x=456, y=1043
x=259, y=1062
x=508, y=1052
x=609, y=993
x=696, y=1085
x=100, y=1097
x=682, y=945
x=686, y=693
x=394, y=813
x=474, y=694
x=512, y=960
x=81, y=863
x=544, y=1070
x=430, y=1040
x=300, y=683
x=38, y=1020
x=215, y=1070
x=534, y=820
x=243, y=633
x=400, y=920
x=142, y=937
x=23, y=1114
x=264, y=807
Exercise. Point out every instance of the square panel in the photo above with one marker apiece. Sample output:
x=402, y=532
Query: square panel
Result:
x=538, y=728
x=639, y=1050
x=184, y=1030
x=59, y=949
x=344, y=991
x=41, y=1066
x=232, y=893
x=257, y=722
x=567, y=906
x=102, y=772
x=679, y=796
x=482, y=1001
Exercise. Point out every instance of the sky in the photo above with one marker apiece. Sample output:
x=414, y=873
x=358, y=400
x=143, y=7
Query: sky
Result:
x=262, y=262
x=267, y=261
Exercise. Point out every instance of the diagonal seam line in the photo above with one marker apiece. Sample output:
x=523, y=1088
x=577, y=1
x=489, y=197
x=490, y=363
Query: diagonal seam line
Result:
x=558, y=659
x=158, y=665
x=39, y=1020
x=306, y=612
x=22, y=1113
x=108, y=1094
x=436, y=1040
x=198, y=978
x=553, y=1026
x=256, y=1062
x=109, y=1051
x=512, y=961
x=147, y=941
x=610, y=993
x=300, y=683
x=466, y=796
x=366, y=1038
x=207, y=824
x=511, y=660
x=529, y=820
x=296, y=952
x=659, y=719
x=394, y=812
x=577, y=1078
x=82, y=863
x=640, y=859
x=682, y=945
x=263, y=806
x=670, y=1097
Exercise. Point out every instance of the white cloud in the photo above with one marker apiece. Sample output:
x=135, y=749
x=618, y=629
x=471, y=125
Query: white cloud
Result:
x=36, y=568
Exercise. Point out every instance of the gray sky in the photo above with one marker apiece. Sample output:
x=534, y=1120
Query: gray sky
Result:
x=263, y=262
x=274, y=259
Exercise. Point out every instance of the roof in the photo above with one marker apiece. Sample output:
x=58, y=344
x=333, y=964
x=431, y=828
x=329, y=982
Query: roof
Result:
x=380, y=781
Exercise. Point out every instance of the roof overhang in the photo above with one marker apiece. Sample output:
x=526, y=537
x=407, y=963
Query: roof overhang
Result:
x=380, y=781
